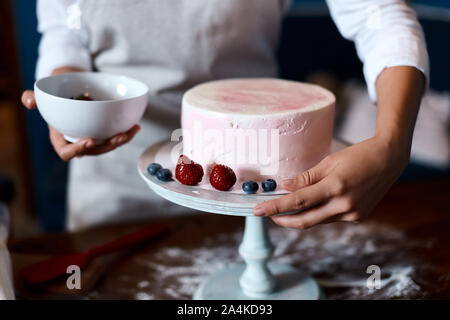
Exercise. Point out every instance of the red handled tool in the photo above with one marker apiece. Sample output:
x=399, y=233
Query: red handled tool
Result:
x=57, y=266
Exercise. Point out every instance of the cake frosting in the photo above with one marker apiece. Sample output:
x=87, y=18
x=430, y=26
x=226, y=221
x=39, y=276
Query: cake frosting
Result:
x=260, y=127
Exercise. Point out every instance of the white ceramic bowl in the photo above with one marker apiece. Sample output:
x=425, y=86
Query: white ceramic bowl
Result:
x=119, y=103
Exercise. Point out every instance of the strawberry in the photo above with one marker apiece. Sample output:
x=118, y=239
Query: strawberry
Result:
x=188, y=172
x=222, y=177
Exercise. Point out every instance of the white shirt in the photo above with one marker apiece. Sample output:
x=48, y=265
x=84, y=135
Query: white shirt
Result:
x=386, y=34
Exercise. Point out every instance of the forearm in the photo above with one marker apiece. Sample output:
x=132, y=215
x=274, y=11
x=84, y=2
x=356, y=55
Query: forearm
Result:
x=66, y=70
x=399, y=92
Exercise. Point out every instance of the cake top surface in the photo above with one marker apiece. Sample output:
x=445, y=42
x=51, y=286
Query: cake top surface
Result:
x=256, y=96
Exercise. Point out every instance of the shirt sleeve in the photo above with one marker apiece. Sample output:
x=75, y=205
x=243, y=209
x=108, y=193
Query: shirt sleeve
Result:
x=64, y=40
x=386, y=34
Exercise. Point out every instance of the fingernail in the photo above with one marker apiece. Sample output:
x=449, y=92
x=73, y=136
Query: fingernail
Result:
x=259, y=211
x=90, y=144
x=289, y=182
x=29, y=100
x=121, y=139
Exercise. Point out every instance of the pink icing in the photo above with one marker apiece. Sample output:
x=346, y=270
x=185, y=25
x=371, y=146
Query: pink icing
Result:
x=274, y=96
x=256, y=95
x=303, y=137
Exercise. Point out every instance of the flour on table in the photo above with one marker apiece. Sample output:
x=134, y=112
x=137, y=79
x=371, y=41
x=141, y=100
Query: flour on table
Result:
x=337, y=255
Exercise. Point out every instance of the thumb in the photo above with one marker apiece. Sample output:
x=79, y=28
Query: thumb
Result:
x=306, y=178
x=28, y=99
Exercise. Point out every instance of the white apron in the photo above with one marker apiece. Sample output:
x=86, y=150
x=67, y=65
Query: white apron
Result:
x=171, y=45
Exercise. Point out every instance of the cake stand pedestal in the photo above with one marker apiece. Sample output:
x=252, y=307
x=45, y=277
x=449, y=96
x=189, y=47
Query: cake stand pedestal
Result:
x=258, y=278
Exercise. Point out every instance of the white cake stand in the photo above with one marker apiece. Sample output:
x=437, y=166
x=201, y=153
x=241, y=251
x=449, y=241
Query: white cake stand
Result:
x=257, y=278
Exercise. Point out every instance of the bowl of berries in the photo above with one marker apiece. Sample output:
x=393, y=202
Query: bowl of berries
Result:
x=90, y=104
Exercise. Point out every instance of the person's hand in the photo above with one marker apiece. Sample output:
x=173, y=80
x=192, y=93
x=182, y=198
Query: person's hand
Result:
x=344, y=186
x=67, y=150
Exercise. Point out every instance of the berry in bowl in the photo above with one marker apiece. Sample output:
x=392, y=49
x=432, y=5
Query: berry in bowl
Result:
x=90, y=104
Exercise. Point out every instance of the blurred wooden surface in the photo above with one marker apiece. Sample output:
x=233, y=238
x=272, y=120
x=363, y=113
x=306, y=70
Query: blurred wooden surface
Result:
x=408, y=236
x=14, y=151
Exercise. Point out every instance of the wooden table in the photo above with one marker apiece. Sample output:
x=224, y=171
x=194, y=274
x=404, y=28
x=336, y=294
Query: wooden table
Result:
x=408, y=237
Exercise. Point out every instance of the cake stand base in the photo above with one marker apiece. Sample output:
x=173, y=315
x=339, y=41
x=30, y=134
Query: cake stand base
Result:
x=292, y=284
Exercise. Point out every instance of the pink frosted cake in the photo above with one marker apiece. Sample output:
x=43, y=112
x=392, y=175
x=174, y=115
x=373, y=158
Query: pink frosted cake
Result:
x=261, y=128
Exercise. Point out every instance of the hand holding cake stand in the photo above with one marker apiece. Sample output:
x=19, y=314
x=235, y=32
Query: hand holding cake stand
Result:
x=258, y=278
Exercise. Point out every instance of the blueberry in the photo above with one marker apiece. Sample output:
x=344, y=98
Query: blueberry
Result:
x=250, y=186
x=269, y=185
x=153, y=168
x=164, y=175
